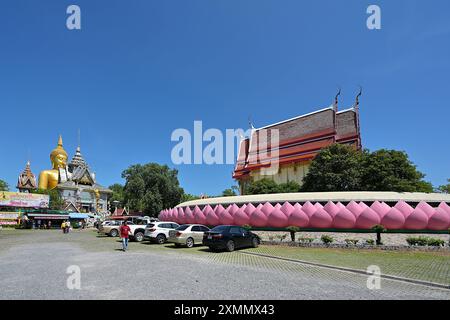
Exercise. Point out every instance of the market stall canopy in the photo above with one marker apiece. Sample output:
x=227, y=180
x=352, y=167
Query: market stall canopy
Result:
x=76, y=215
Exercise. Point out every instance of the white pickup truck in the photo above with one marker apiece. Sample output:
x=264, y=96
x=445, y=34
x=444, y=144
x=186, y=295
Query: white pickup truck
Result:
x=136, y=224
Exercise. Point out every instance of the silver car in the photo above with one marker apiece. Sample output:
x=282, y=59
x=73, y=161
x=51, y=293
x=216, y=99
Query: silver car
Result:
x=187, y=234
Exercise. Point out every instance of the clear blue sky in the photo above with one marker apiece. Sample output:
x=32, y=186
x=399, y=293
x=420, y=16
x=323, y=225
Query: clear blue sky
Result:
x=140, y=69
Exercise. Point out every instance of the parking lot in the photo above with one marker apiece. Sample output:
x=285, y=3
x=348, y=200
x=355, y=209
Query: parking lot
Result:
x=34, y=265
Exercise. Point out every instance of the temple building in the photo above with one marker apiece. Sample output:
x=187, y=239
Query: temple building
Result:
x=75, y=182
x=27, y=180
x=300, y=139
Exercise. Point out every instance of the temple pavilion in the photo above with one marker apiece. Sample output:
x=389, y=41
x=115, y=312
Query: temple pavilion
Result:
x=300, y=139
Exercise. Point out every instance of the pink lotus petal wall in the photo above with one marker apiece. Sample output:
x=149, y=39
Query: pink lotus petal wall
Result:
x=401, y=216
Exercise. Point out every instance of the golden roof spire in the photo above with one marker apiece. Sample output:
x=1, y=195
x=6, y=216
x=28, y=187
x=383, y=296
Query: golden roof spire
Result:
x=59, y=149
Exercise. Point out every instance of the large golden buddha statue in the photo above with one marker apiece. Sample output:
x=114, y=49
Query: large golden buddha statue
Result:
x=49, y=179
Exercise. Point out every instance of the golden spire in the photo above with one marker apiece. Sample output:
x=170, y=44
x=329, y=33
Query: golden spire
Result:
x=59, y=149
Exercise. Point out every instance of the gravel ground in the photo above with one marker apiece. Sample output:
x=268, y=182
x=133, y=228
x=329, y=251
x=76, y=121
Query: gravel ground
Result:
x=33, y=265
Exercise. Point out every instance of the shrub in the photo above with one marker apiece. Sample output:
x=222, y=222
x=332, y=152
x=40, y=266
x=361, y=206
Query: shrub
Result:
x=305, y=240
x=282, y=237
x=424, y=241
x=351, y=241
x=370, y=242
x=326, y=239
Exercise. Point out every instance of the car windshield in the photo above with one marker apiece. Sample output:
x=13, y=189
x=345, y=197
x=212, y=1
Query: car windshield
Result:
x=219, y=229
x=182, y=227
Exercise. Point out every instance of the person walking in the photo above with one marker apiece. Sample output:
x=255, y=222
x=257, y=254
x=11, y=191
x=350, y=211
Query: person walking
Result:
x=124, y=231
x=63, y=226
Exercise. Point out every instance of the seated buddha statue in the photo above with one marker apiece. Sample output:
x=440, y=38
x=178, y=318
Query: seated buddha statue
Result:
x=49, y=179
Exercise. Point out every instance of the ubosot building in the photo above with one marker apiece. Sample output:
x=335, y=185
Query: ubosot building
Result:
x=75, y=182
x=300, y=140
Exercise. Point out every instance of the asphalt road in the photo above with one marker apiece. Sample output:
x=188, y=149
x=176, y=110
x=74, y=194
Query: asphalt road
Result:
x=33, y=265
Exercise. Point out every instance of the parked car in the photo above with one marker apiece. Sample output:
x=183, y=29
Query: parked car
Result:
x=159, y=231
x=110, y=228
x=137, y=228
x=230, y=238
x=187, y=234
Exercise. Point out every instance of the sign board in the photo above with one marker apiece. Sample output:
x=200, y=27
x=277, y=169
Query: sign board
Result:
x=23, y=200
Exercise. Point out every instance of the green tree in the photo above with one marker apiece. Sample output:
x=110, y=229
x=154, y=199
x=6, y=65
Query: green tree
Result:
x=4, y=186
x=445, y=188
x=336, y=168
x=391, y=170
x=188, y=197
x=118, y=193
x=151, y=187
x=263, y=186
x=233, y=191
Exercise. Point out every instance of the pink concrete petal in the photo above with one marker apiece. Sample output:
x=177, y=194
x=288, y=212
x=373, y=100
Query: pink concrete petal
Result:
x=440, y=220
x=344, y=219
x=199, y=217
x=318, y=205
x=240, y=218
x=367, y=219
x=363, y=205
x=181, y=217
x=249, y=209
x=309, y=209
x=321, y=219
x=331, y=208
x=211, y=218
x=298, y=206
x=355, y=208
x=267, y=208
x=219, y=209
x=417, y=220
x=189, y=215
x=404, y=208
x=277, y=206
x=340, y=205
x=445, y=206
x=380, y=208
x=258, y=218
x=298, y=218
x=287, y=208
x=277, y=219
x=225, y=218
x=394, y=219
x=232, y=208
x=425, y=207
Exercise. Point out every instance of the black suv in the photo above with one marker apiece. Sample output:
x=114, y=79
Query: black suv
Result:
x=230, y=238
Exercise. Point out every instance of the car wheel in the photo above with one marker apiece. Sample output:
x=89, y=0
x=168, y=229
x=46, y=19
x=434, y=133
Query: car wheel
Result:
x=114, y=233
x=189, y=242
x=230, y=246
x=139, y=236
x=255, y=242
x=160, y=239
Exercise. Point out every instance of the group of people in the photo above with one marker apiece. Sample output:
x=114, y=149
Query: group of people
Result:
x=65, y=226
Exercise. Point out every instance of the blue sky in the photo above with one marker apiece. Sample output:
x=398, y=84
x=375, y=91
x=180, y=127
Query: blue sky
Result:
x=140, y=69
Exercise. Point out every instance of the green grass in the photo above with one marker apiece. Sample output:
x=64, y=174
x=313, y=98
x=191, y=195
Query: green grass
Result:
x=428, y=266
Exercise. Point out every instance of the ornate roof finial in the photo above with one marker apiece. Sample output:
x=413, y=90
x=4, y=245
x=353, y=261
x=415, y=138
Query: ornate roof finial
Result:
x=250, y=123
x=357, y=97
x=336, y=101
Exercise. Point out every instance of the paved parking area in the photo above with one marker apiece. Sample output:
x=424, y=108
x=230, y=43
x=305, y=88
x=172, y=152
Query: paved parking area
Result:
x=33, y=265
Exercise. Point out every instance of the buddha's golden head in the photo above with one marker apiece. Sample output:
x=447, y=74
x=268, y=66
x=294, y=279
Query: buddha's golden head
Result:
x=59, y=156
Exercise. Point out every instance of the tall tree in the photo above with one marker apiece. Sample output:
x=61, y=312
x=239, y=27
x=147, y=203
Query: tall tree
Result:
x=230, y=191
x=151, y=187
x=391, y=170
x=118, y=193
x=4, y=186
x=336, y=168
x=445, y=188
